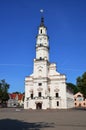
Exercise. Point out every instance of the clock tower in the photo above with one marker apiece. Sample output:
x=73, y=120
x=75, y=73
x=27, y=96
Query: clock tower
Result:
x=41, y=62
x=42, y=43
x=45, y=88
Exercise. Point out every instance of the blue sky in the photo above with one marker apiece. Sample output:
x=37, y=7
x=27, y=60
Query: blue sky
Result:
x=19, y=21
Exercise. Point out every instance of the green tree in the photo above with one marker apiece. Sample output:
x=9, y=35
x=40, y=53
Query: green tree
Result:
x=16, y=92
x=73, y=87
x=4, y=91
x=81, y=84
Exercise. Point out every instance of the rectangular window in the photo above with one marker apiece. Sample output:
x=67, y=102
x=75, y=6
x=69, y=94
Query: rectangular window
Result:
x=31, y=95
x=40, y=84
x=39, y=94
x=57, y=103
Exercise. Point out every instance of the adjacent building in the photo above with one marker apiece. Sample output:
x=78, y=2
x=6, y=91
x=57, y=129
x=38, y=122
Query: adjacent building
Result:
x=15, y=100
x=46, y=88
x=79, y=100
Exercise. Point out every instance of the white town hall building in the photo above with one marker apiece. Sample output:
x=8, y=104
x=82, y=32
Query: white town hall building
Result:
x=46, y=88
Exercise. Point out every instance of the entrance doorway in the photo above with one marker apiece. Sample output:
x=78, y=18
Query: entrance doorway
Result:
x=39, y=105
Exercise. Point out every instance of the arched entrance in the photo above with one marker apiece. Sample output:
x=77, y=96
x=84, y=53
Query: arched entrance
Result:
x=38, y=105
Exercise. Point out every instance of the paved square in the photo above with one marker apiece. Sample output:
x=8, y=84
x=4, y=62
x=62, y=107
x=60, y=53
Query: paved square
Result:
x=19, y=119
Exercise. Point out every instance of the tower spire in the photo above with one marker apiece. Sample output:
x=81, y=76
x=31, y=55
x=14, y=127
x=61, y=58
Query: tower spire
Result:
x=42, y=21
x=42, y=18
x=42, y=43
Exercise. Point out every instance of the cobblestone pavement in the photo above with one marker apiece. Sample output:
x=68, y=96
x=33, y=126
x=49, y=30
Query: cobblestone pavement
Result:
x=19, y=119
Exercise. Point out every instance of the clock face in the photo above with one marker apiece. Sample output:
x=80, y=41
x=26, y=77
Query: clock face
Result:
x=44, y=38
x=40, y=39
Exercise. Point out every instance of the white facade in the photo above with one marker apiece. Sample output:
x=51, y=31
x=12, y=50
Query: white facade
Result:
x=45, y=88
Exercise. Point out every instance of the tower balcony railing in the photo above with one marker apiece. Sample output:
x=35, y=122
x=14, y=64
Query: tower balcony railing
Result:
x=53, y=97
x=36, y=97
x=44, y=97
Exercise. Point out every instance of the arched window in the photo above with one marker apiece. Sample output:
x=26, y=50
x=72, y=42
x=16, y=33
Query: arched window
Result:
x=75, y=104
x=79, y=96
x=41, y=31
x=57, y=103
x=84, y=104
x=56, y=95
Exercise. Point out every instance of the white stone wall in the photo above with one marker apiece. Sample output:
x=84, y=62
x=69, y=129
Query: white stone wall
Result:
x=40, y=69
x=50, y=86
x=42, y=52
x=70, y=100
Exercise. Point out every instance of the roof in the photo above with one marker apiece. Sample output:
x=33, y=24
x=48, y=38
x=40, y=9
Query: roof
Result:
x=14, y=96
x=77, y=94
